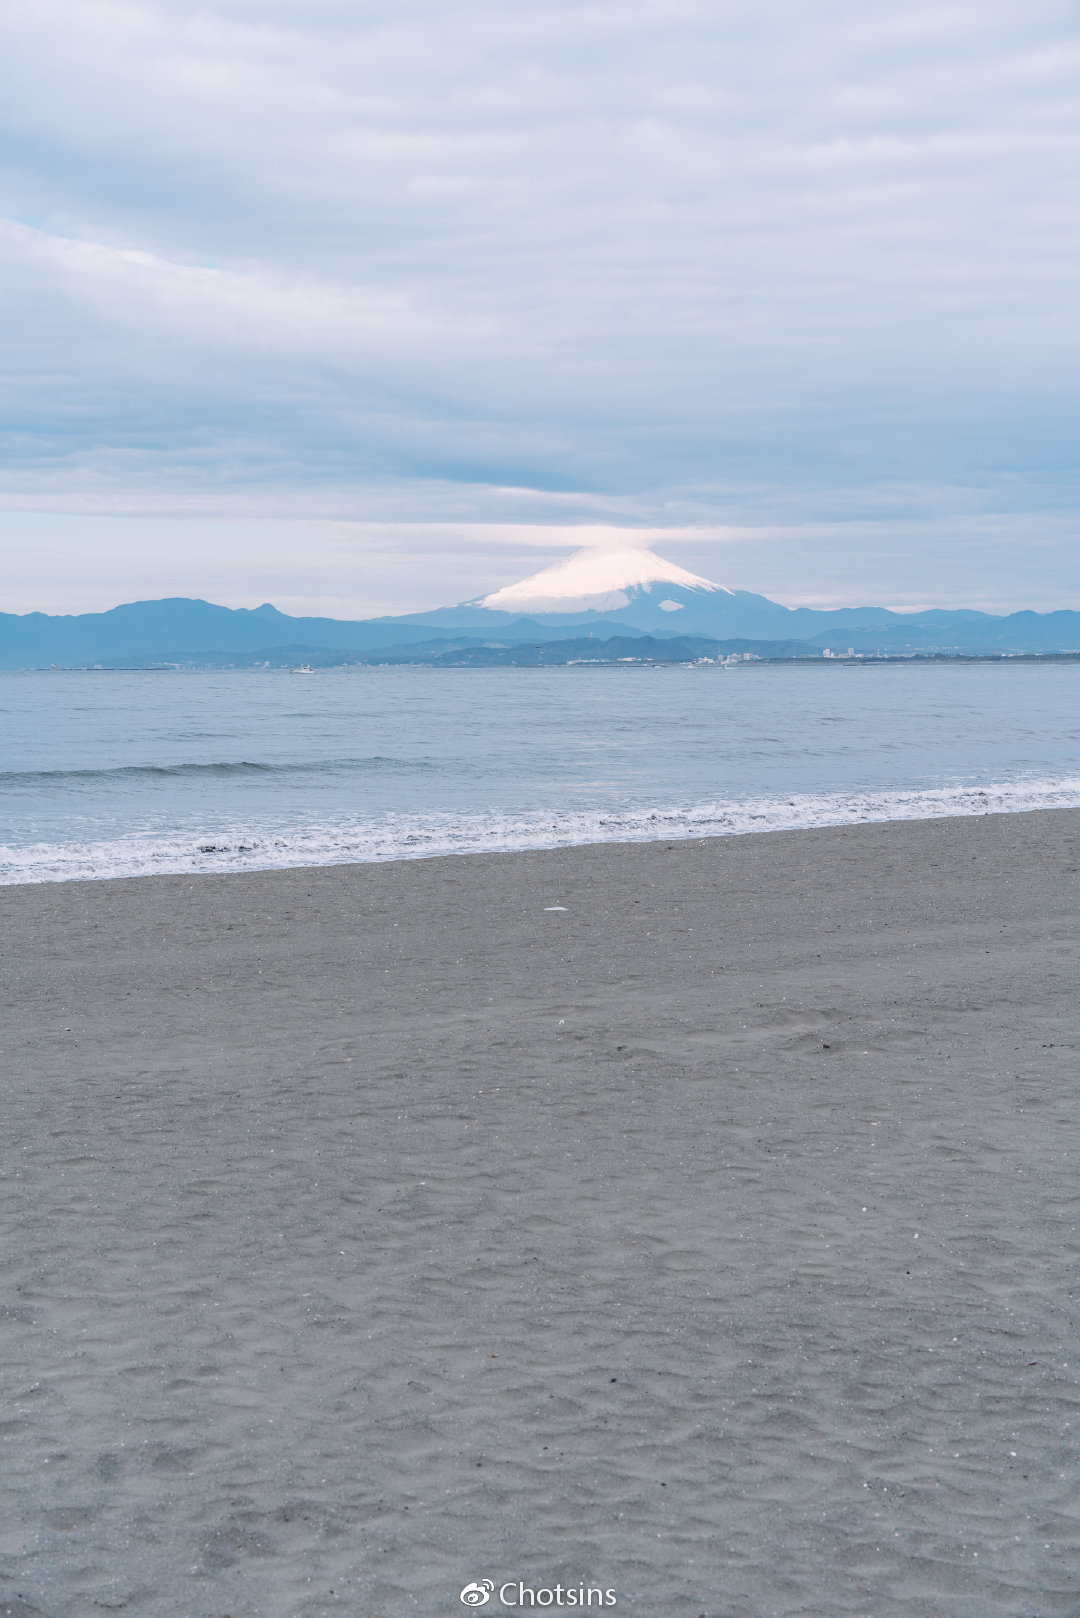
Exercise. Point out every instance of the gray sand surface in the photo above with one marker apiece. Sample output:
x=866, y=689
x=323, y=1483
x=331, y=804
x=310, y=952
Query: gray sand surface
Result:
x=373, y=1230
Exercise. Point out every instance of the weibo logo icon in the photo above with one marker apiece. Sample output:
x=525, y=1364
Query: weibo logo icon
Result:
x=477, y=1593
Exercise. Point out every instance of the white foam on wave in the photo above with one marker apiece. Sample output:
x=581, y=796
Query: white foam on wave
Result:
x=417, y=836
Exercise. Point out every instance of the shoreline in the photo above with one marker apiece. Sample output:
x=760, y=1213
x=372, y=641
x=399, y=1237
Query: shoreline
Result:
x=728, y=661
x=694, y=1219
x=743, y=819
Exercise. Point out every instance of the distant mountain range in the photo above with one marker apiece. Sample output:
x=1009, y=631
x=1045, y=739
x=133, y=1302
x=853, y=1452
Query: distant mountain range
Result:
x=596, y=597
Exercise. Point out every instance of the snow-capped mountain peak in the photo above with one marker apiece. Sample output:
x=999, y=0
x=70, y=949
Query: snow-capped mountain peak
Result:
x=599, y=578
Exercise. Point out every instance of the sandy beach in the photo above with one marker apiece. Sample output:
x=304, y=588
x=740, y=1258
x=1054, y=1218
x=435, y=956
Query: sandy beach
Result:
x=694, y=1221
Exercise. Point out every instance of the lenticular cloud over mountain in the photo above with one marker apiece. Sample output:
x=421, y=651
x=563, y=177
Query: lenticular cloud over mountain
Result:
x=599, y=578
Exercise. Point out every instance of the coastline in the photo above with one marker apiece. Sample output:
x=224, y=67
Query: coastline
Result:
x=379, y=1227
x=435, y=835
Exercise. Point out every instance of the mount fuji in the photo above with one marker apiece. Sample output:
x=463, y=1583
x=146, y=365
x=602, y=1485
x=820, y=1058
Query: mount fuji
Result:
x=603, y=579
x=624, y=587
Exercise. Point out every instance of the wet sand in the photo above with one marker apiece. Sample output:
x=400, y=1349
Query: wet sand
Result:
x=377, y=1229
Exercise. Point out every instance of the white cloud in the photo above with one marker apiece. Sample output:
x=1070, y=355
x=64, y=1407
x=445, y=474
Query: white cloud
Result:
x=743, y=264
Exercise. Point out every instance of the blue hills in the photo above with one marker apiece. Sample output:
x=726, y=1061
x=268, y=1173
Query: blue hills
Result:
x=595, y=596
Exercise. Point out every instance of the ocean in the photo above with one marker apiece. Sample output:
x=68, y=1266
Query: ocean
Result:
x=108, y=774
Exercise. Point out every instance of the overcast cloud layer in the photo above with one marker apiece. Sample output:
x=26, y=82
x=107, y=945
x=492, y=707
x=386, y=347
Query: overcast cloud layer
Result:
x=416, y=286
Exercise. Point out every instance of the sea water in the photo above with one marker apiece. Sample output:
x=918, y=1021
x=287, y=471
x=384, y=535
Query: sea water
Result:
x=119, y=774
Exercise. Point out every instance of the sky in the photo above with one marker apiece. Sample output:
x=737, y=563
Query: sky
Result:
x=363, y=308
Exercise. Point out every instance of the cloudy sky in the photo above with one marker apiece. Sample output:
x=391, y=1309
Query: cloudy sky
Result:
x=361, y=306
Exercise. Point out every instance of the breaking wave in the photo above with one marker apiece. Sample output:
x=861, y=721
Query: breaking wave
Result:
x=225, y=770
x=343, y=841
